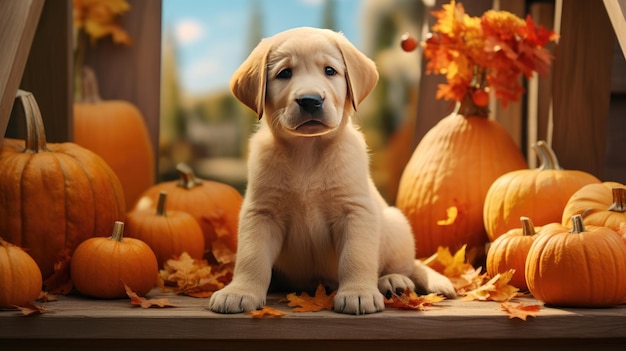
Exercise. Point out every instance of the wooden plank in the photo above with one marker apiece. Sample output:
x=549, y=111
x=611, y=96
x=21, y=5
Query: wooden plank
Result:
x=581, y=86
x=449, y=322
x=616, y=10
x=18, y=22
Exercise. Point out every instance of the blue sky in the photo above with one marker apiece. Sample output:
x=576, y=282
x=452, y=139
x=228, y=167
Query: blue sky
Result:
x=212, y=36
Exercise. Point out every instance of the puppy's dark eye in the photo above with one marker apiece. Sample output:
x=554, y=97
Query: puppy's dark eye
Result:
x=284, y=74
x=329, y=71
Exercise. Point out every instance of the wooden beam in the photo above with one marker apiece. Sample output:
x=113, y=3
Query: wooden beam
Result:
x=18, y=23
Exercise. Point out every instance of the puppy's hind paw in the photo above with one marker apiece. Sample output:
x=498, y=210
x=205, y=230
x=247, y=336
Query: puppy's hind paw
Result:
x=390, y=284
x=228, y=301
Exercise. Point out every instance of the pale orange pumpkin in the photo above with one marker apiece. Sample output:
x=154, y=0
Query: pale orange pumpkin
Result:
x=54, y=196
x=443, y=186
x=214, y=205
x=168, y=233
x=117, y=132
x=540, y=193
x=600, y=204
x=582, y=266
x=20, y=277
x=101, y=266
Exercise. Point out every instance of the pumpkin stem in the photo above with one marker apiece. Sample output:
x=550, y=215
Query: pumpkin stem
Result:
x=187, y=179
x=619, y=200
x=468, y=108
x=90, y=91
x=118, y=231
x=160, y=210
x=551, y=161
x=578, y=226
x=528, y=228
x=35, y=131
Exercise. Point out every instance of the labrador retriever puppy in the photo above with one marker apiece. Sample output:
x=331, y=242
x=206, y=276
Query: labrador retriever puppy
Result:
x=311, y=212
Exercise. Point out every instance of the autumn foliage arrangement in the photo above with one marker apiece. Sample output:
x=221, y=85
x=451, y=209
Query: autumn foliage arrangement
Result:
x=491, y=51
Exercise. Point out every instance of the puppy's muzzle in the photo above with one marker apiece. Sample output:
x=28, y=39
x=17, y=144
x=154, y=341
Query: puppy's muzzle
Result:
x=310, y=103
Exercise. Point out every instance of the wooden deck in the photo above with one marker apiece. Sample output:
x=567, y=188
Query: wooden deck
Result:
x=81, y=323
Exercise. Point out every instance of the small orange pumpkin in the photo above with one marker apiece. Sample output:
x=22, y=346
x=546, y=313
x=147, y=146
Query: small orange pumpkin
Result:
x=54, y=196
x=101, y=266
x=20, y=277
x=509, y=251
x=168, y=233
x=540, y=193
x=581, y=267
x=602, y=204
x=117, y=132
x=213, y=204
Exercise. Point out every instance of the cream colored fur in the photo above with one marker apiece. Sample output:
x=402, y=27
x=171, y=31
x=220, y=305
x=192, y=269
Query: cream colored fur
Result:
x=311, y=212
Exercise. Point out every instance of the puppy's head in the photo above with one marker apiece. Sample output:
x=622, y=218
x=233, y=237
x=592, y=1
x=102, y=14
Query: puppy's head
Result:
x=304, y=80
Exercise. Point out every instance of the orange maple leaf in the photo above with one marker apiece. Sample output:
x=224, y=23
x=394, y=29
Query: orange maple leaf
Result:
x=267, y=312
x=146, y=303
x=496, y=289
x=306, y=303
x=409, y=300
x=520, y=310
x=60, y=282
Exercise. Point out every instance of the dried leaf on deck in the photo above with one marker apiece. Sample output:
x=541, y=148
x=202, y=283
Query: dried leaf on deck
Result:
x=44, y=296
x=519, y=310
x=496, y=289
x=31, y=309
x=267, y=312
x=192, y=277
x=409, y=300
x=146, y=303
x=305, y=303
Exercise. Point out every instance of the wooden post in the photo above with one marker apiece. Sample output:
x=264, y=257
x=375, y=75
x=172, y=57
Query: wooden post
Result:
x=18, y=22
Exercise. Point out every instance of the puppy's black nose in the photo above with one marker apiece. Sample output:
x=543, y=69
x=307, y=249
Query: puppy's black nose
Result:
x=310, y=103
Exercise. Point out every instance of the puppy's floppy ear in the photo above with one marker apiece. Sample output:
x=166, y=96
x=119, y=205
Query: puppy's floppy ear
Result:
x=249, y=80
x=361, y=72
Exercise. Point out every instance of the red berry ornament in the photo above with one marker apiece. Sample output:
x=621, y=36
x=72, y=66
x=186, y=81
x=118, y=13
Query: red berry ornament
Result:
x=408, y=42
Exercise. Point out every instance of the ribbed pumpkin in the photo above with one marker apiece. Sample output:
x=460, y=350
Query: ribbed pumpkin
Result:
x=54, y=196
x=443, y=186
x=168, y=233
x=101, y=266
x=117, y=132
x=540, y=193
x=583, y=266
x=20, y=277
x=602, y=204
x=213, y=204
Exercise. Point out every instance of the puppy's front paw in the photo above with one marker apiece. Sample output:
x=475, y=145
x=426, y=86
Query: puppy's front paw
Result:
x=359, y=301
x=390, y=284
x=233, y=300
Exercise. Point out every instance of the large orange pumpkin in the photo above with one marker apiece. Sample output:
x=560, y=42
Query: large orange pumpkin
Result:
x=20, y=277
x=213, y=204
x=102, y=266
x=54, y=196
x=540, y=194
x=443, y=186
x=117, y=132
x=601, y=204
x=582, y=266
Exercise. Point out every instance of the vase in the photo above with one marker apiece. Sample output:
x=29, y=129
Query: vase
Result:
x=443, y=186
